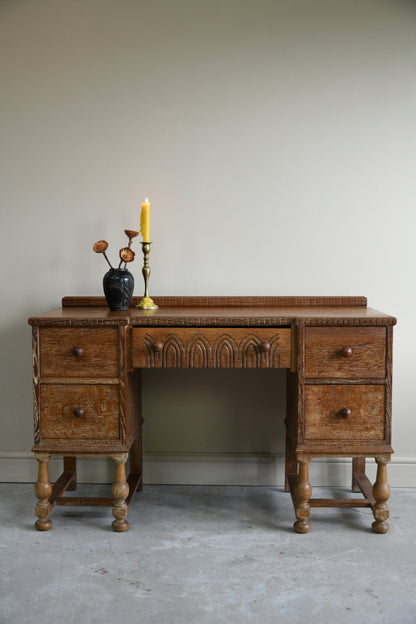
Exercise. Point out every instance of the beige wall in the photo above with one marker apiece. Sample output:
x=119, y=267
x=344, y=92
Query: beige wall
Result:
x=277, y=142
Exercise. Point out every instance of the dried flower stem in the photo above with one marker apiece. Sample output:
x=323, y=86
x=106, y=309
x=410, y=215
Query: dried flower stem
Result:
x=105, y=256
x=130, y=235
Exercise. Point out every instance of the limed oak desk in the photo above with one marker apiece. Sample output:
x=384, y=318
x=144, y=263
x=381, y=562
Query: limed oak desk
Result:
x=87, y=389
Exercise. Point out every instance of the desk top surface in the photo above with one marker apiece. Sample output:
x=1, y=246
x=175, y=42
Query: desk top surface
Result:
x=219, y=311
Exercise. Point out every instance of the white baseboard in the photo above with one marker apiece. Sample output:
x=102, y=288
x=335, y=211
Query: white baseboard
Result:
x=209, y=469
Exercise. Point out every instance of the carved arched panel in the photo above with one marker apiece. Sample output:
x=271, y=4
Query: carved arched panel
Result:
x=273, y=357
x=249, y=351
x=224, y=352
x=198, y=352
x=173, y=352
x=148, y=343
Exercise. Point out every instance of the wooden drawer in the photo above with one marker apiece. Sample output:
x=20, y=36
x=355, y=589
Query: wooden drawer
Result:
x=345, y=352
x=79, y=352
x=99, y=417
x=326, y=418
x=211, y=348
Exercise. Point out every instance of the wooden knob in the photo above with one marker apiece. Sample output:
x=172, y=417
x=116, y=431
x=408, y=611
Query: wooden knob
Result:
x=346, y=352
x=78, y=412
x=77, y=351
x=264, y=347
x=345, y=412
x=158, y=347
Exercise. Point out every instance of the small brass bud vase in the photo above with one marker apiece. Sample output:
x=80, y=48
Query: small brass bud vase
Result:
x=146, y=303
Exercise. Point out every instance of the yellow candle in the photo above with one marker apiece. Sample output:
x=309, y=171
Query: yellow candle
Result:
x=145, y=221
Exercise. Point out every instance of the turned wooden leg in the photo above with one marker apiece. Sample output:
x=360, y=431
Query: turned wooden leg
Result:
x=381, y=493
x=303, y=492
x=120, y=491
x=43, y=491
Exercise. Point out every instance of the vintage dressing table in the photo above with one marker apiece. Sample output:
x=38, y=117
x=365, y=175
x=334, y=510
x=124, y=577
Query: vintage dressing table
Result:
x=87, y=386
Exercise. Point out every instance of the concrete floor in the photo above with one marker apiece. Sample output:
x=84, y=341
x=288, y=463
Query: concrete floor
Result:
x=206, y=555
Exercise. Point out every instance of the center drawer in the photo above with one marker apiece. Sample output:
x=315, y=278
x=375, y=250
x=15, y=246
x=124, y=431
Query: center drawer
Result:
x=211, y=348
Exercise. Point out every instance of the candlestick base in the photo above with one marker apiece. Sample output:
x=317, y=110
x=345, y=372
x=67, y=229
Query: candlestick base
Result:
x=147, y=304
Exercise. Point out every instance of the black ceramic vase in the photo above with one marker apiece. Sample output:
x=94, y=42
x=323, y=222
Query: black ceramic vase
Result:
x=118, y=288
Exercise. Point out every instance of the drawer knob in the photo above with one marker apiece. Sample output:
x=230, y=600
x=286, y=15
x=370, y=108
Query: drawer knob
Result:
x=345, y=412
x=79, y=412
x=158, y=347
x=77, y=351
x=346, y=352
x=265, y=347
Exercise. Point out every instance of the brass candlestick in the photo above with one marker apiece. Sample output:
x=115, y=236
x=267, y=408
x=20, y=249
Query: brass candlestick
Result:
x=146, y=303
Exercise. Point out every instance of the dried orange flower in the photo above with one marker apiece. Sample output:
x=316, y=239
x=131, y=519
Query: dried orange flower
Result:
x=131, y=233
x=100, y=246
x=127, y=254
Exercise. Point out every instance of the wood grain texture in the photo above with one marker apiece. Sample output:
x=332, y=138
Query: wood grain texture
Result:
x=389, y=377
x=211, y=348
x=364, y=486
x=134, y=419
x=345, y=352
x=358, y=467
x=99, y=352
x=75, y=302
x=101, y=412
x=70, y=467
x=219, y=311
x=291, y=419
x=300, y=384
x=36, y=381
x=123, y=382
x=257, y=316
x=63, y=483
x=343, y=448
x=296, y=388
x=79, y=380
x=324, y=404
x=80, y=447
